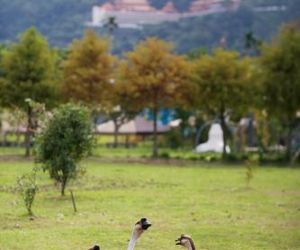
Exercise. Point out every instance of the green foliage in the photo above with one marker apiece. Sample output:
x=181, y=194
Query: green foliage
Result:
x=28, y=71
x=65, y=141
x=28, y=74
x=280, y=64
x=3, y=50
x=223, y=81
x=27, y=186
x=280, y=76
x=174, y=139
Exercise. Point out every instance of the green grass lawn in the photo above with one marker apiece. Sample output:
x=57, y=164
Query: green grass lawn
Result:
x=211, y=203
x=142, y=151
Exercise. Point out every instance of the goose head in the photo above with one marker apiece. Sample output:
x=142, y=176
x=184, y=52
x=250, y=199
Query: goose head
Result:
x=186, y=241
x=141, y=226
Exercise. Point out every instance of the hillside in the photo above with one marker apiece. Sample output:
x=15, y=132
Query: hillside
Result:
x=63, y=20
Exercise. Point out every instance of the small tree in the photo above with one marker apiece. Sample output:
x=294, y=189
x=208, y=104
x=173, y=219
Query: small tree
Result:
x=27, y=186
x=66, y=139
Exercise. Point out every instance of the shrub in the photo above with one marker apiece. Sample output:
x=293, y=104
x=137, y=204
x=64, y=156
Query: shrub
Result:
x=66, y=139
x=174, y=139
x=27, y=186
x=164, y=155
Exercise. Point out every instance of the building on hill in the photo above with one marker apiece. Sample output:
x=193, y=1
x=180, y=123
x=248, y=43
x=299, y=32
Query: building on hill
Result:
x=133, y=5
x=169, y=8
x=136, y=13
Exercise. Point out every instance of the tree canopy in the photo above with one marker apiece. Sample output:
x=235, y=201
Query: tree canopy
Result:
x=29, y=71
x=88, y=70
x=280, y=74
x=223, y=84
x=66, y=139
x=156, y=78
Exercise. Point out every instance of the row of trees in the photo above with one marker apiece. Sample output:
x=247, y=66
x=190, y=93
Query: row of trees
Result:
x=154, y=76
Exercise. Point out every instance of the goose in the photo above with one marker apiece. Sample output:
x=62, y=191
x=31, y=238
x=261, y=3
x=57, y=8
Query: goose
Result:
x=186, y=241
x=142, y=225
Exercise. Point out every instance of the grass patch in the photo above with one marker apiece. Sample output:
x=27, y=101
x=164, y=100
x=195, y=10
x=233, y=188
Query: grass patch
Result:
x=212, y=203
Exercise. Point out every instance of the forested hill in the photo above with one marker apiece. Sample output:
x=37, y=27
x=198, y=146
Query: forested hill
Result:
x=63, y=20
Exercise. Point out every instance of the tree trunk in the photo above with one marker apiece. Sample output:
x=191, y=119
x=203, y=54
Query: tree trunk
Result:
x=155, y=143
x=224, y=129
x=28, y=131
x=251, y=132
x=116, y=133
x=63, y=184
x=289, y=142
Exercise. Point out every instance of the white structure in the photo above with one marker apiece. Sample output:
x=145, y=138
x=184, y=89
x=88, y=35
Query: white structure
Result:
x=136, y=13
x=215, y=141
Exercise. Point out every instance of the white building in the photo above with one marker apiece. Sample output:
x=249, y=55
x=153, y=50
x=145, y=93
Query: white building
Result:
x=136, y=13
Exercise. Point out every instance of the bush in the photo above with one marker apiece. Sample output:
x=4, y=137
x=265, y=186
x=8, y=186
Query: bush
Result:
x=66, y=139
x=164, y=155
x=27, y=186
x=174, y=139
x=273, y=158
x=237, y=157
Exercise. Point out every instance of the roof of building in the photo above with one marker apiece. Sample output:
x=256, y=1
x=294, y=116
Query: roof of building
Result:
x=128, y=5
x=139, y=125
x=169, y=8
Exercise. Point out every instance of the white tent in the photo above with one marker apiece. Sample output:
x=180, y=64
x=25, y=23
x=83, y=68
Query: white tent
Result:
x=215, y=141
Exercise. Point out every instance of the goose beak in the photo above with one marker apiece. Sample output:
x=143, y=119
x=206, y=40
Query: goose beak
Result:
x=178, y=242
x=145, y=227
x=145, y=224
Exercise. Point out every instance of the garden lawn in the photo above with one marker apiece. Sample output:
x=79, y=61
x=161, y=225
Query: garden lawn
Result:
x=211, y=203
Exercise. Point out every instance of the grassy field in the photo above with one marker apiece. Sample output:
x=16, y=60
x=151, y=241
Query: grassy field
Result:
x=212, y=203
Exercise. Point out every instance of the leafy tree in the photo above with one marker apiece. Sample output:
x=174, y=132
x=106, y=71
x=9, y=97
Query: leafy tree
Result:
x=280, y=72
x=29, y=74
x=64, y=142
x=88, y=70
x=156, y=78
x=223, y=82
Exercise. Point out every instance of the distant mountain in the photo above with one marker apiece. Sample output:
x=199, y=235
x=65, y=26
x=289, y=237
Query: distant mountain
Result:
x=63, y=20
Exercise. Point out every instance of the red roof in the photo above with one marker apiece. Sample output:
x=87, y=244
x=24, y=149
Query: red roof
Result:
x=107, y=6
x=169, y=8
